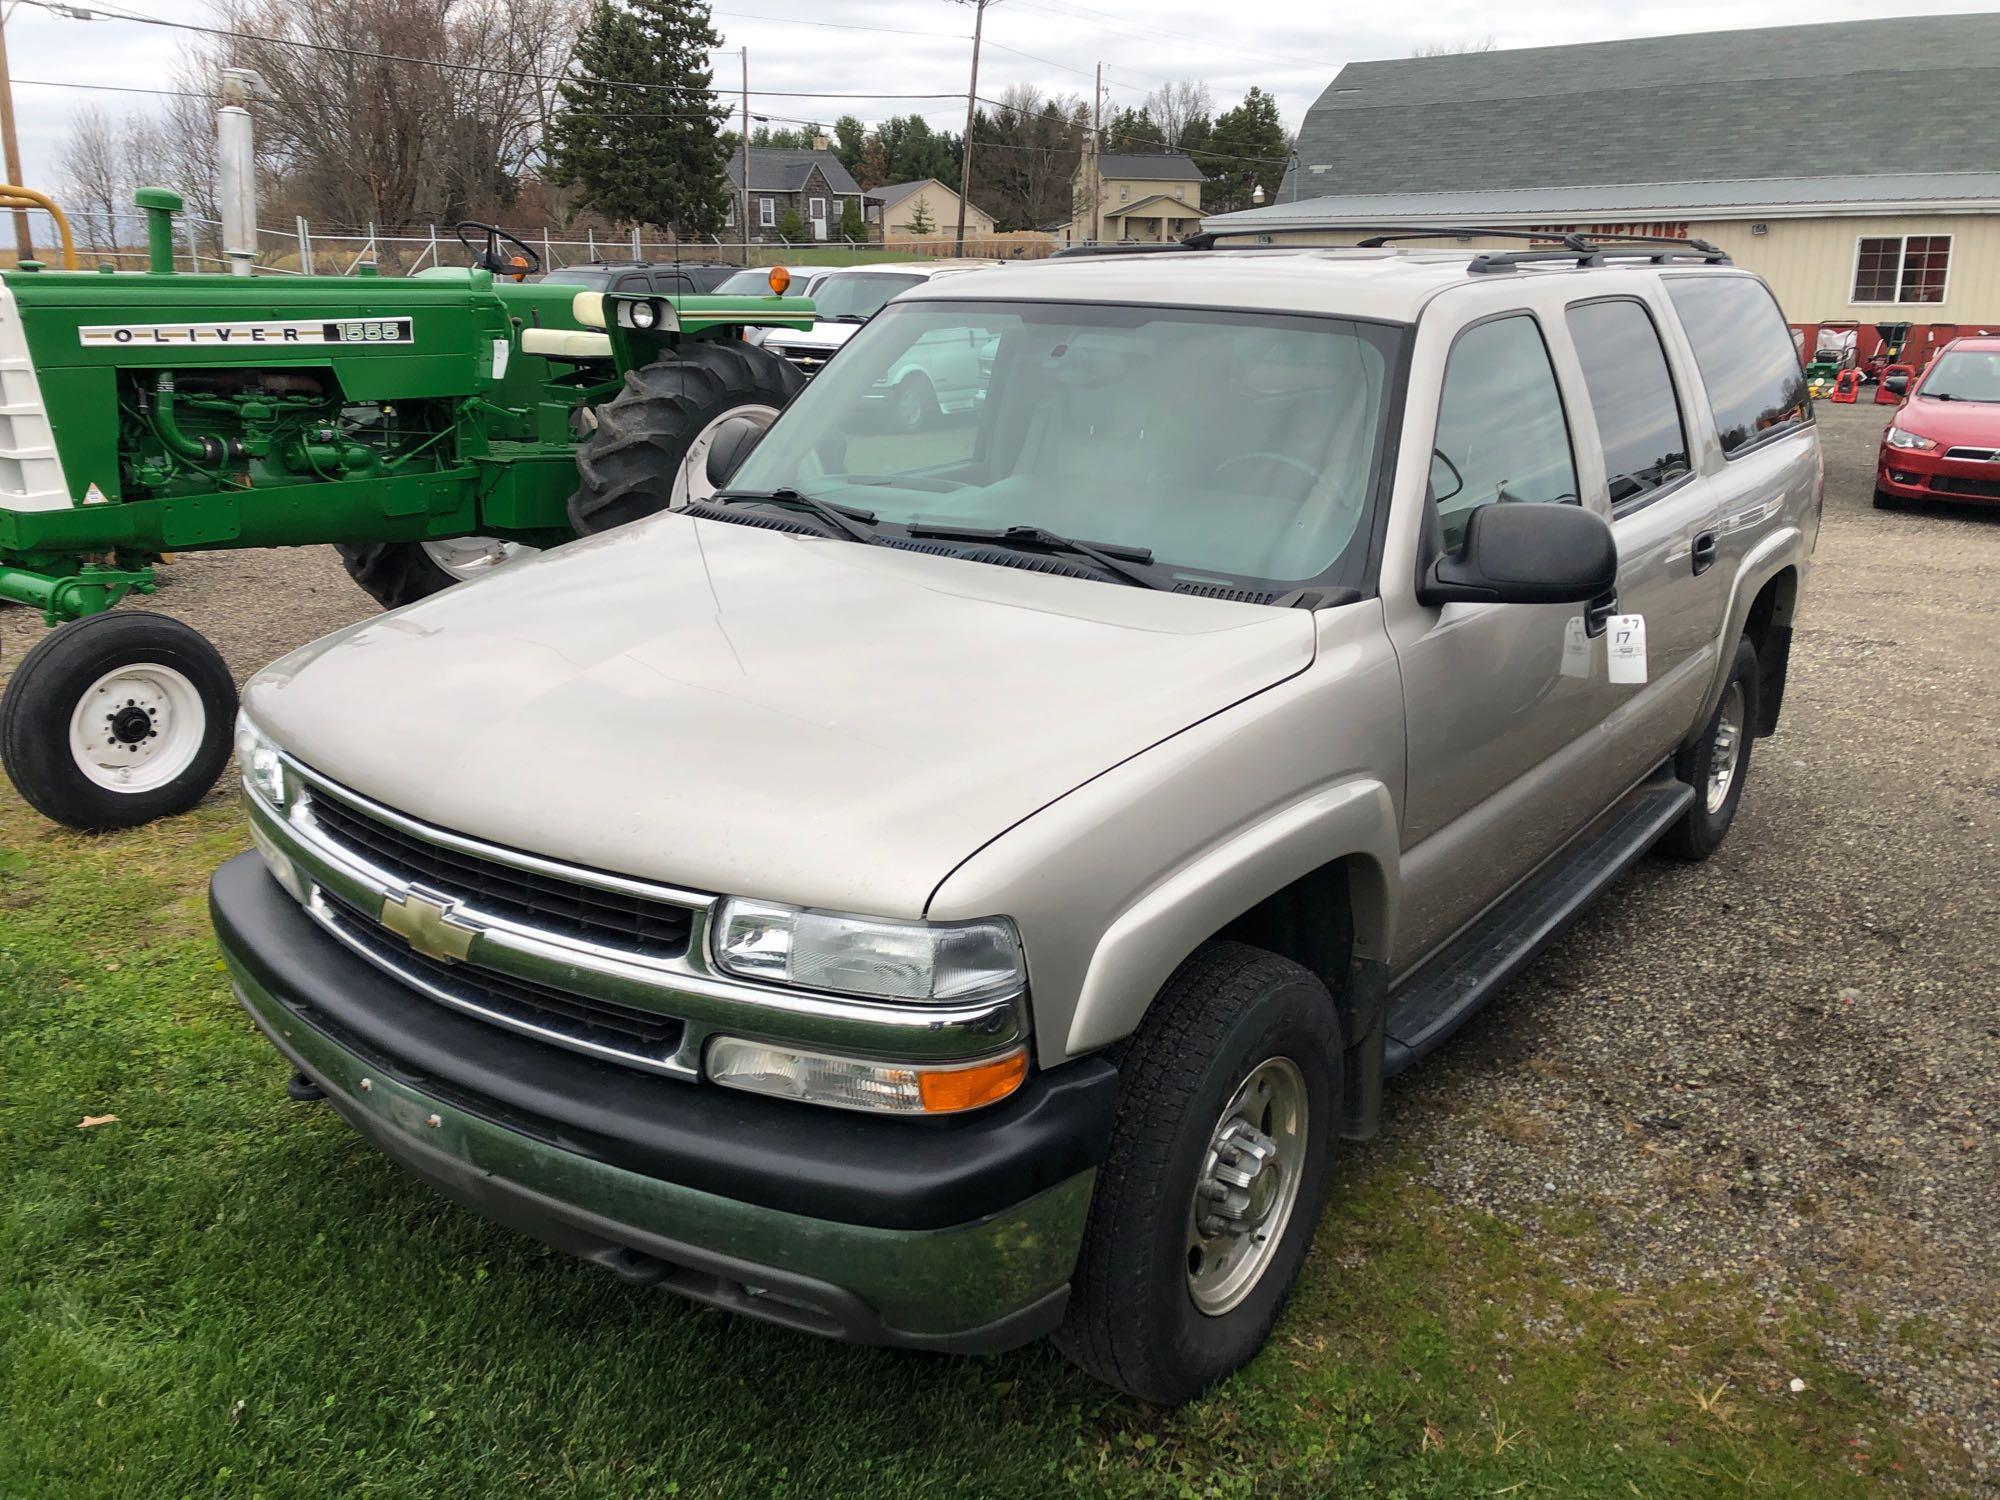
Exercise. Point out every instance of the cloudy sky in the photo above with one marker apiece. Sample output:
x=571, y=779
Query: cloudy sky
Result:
x=923, y=47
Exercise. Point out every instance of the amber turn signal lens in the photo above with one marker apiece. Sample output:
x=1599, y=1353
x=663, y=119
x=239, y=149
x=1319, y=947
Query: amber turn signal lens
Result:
x=968, y=1088
x=780, y=279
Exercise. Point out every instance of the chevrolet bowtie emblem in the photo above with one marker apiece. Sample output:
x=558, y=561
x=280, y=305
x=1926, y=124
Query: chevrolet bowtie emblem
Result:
x=426, y=923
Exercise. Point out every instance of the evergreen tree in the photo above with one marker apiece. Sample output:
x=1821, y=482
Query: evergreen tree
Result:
x=1246, y=148
x=651, y=154
x=848, y=135
x=921, y=222
x=851, y=227
x=791, y=226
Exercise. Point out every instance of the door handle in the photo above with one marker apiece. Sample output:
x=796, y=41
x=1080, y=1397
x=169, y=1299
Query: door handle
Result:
x=1704, y=551
x=1597, y=614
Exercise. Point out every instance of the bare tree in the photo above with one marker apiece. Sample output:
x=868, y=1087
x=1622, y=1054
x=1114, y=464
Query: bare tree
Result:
x=400, y=111
x=1024, y=179
x=1454, y=49
x=1181, y=109
x=93, y=175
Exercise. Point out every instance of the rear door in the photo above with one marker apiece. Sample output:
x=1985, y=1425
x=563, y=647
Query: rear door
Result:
x=1666, y=514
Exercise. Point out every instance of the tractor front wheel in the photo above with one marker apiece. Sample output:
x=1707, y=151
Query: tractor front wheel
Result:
x=117, y=719
x=651, y=449
x=399, y=573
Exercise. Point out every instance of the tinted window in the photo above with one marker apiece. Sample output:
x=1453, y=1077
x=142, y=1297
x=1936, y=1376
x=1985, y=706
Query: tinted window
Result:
x=578, y=276
x=1501, y=433
x=1964, y=375
x=1748, y=363
x=673, y=283
x=1632, y=395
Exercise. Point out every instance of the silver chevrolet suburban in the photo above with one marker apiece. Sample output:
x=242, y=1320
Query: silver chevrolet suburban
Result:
x=962, y=882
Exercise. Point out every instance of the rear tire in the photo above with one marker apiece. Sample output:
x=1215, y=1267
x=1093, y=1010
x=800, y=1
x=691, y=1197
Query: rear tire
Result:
x=1157, y=1308
x=117, y=719
x=399, y=573
x=649, y=451
x=1717, y=765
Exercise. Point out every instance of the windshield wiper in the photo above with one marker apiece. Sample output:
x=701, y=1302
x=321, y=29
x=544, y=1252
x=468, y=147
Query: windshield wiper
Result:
x=1113, y=557
x=854, y=524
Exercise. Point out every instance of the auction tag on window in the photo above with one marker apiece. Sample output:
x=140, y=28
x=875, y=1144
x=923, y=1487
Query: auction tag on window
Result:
x=1625, y=646
x=1576, y=650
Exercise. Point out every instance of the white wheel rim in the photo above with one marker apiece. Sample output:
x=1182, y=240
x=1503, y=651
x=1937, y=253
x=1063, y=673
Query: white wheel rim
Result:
x=691, y=483
x=1727, y=751
x=137, y=728
x=475, y=556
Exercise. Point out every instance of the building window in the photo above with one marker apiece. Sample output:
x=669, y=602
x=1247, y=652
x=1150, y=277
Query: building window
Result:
x=729, y=213
x=1901, y=267
x=1124, y=193
x=767, y=213
x=1180, y=193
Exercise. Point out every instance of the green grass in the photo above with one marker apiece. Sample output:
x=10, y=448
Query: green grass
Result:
x=830, y=255
x=223, y=1293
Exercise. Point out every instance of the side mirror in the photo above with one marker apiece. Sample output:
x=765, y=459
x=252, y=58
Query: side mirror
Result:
x=1516, y=553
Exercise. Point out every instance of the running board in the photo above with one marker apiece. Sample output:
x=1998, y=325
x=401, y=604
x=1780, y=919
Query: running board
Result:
x=1442, y=995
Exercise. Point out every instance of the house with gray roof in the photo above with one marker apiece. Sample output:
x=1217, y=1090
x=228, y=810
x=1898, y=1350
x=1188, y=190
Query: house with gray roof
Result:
x=812, y=184
x=922, y=210
x=1139, y=196
x=1855, y=165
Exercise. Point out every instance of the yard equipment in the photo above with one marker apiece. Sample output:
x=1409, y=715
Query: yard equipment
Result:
x=428, y=426
x=1891, y=339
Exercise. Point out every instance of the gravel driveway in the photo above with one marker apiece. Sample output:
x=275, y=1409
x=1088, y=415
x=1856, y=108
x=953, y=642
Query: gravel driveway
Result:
x=1780, y=1069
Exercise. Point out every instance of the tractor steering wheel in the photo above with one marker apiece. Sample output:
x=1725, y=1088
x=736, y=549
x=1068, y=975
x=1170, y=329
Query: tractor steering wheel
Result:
x=486, y=255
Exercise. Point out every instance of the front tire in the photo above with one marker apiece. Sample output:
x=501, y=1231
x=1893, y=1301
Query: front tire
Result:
x=1218, y=1171
x=1717, y=765
x=649, y=451
x=117, y=719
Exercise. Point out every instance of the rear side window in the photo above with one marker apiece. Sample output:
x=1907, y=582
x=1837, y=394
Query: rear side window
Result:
x=1501, y=432
x=1748, y=363
x=1638, y=419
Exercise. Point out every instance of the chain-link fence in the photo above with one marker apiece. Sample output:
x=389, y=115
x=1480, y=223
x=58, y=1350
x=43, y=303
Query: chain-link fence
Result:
x=119, y=240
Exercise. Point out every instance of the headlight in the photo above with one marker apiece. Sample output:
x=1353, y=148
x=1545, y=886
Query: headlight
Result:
x=824, y=950
x=648, y=315
x=643, y=315
x=263, y=770
x=857, y=1083
x=1895, y=437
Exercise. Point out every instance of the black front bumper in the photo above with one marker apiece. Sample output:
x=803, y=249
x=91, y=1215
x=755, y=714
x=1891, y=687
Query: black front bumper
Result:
x=953, y=1233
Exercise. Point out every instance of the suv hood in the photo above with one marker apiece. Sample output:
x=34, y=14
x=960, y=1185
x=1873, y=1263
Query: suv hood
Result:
x=819, y=336
x=751, y=712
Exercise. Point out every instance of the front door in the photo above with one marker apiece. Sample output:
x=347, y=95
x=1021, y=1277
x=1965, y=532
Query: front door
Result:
x=816, y=211
x=1496, y=726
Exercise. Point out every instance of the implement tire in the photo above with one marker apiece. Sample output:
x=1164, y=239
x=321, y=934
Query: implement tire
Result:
x=650, y=450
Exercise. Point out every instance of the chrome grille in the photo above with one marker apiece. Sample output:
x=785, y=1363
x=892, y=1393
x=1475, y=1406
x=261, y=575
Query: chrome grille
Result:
x=520, y=1004
x=545, y=902
x=808, y=361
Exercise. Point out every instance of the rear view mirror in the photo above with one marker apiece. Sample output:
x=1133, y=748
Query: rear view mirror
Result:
x=1517, y=553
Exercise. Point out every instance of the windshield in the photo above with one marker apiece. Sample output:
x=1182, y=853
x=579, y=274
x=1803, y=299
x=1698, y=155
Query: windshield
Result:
x=578, y=276
x=858, y=297
x=1964, y=375
x=755, y=282
x=1230, y=446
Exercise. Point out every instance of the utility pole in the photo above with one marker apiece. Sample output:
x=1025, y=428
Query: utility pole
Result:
x=1096, y=152
x=971, y=101
x=23, y=241
x=746, y=154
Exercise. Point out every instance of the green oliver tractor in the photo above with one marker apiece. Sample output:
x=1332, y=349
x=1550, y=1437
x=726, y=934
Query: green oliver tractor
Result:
x=430, y=427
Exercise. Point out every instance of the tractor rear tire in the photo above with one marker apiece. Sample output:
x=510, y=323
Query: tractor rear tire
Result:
x=117, y=719
x=399, y=573
x=650, y=448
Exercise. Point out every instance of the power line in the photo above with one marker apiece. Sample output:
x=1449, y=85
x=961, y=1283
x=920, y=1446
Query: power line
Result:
x=1105, y=21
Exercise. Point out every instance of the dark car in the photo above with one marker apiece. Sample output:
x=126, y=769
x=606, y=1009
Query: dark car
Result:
x=683, y=279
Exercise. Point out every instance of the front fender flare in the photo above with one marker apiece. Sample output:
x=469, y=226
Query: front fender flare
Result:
x=1144, y=944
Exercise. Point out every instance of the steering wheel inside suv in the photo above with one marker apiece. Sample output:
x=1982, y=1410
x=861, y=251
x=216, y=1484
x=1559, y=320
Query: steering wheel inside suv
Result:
x=487, y=255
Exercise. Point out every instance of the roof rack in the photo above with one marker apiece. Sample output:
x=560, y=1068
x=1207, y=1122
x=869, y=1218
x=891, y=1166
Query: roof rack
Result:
x=1548, y=246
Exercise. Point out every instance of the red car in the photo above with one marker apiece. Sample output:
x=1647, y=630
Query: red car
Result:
x=1944, y=442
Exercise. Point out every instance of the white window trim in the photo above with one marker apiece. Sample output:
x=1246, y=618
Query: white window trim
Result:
x=1902, y=253
x=729, y=213
x=767, y=213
